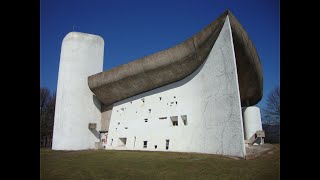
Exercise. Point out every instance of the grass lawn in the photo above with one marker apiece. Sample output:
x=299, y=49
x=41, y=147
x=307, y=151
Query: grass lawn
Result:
x=102, y=164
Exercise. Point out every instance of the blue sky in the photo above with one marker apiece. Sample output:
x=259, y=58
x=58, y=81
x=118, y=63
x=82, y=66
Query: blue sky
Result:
x=133, y=29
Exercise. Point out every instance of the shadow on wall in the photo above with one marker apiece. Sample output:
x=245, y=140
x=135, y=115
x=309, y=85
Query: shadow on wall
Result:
x=242, y=114
x=96, y=102
x=165, y=87
x=96, y=133
x=106, y=108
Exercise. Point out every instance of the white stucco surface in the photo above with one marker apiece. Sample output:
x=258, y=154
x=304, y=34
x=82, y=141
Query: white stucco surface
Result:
x=252, y=121
x=76, y=107
x=208, y=100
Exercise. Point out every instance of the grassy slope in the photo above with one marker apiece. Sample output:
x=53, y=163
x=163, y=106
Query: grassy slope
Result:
x=103, y=164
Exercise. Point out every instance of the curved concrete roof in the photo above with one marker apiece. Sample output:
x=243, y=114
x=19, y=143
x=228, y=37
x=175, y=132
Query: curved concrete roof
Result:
x=178, y=62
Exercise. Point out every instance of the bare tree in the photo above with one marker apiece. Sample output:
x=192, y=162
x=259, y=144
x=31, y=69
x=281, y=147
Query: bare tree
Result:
x=50, y=114
x=47, y=108
x=44, y=97
x=271, y=113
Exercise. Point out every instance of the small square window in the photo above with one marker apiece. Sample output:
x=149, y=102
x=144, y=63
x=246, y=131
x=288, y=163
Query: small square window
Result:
x=174, y=120
x=145, y=144
x=145, y=120
x=122, y=142
x=167, y=144
x=185, y=122
x=155, y=146
x=184, y=119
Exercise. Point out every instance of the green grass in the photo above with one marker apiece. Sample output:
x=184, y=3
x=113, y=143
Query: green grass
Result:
x=102, y=164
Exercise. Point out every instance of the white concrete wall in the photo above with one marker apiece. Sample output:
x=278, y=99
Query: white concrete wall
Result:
x=251, y=120
x=209, y=97
x=76, y=106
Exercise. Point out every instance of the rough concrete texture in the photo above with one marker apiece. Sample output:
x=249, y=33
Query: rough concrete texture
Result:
x=76, y=106
x=208, y=99
x=178, y=62
x=248, y=65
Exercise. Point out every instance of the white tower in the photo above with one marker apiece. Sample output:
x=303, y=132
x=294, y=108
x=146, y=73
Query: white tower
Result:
x=76, y=106
x=252, y=121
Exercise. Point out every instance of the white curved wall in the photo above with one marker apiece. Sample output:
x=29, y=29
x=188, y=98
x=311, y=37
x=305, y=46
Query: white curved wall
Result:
x=209, y=97
x=76, y=107
x=252, y=121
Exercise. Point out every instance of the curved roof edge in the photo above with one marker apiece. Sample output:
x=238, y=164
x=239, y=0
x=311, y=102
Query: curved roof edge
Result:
x=249, y=67
x=178, y=62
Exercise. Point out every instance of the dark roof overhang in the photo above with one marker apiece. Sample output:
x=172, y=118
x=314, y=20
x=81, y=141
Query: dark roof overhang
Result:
x=178, y=62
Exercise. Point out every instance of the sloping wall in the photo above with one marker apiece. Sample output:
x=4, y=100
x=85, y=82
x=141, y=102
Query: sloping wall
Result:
x=208, y=100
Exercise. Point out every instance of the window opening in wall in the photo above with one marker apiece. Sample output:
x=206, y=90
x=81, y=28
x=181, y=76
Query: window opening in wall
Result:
x=167, y=144
x=185, y=122
x=184, y=119
x=118, y=123
x=176, y=102
x=126, y=127
x=145, y=143
x=174, y=97
x=134, y=143
x=145, y=120
x=160, y=98
x=136, y=111
x=162, y=117
x=122, y=141
x=155, y=146
x=174, y=120
x=142, y=99
x=172, y=102
x=149, y=110
x=116, y=129
x=117, y=110
x=122, y=109
x=131, y=102
x=111, y=142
